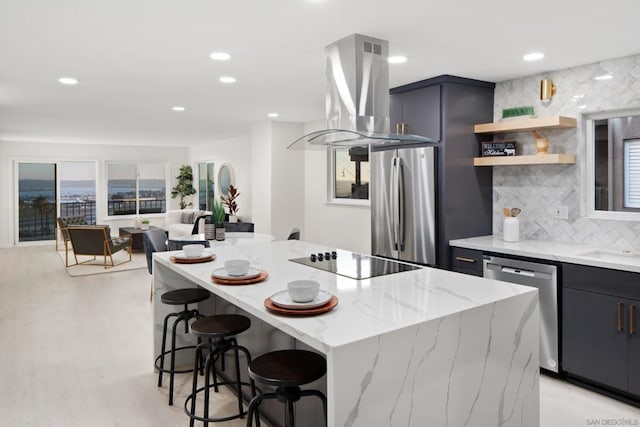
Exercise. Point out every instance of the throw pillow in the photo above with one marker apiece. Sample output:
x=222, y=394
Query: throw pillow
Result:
x=187, y=217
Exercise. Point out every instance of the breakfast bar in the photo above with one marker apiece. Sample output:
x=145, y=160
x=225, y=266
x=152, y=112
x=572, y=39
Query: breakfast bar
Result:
x=412, y=348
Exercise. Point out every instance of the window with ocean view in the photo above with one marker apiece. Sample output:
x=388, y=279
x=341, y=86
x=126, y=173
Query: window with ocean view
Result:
x=36, y=201
x=50, y=189
x=136, y=189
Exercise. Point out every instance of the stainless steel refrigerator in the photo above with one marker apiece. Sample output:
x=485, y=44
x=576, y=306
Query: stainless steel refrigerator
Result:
x=403, y=203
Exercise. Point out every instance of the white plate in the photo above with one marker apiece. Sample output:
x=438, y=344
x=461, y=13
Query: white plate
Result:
x=205, y=253
x=221, y=273
x=282, y=299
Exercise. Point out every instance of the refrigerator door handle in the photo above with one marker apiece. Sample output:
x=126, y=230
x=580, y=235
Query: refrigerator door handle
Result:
x=401, y=206
x=394, y=202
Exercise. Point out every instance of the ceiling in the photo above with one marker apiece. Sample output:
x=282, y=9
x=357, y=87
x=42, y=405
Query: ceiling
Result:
x=136, y=59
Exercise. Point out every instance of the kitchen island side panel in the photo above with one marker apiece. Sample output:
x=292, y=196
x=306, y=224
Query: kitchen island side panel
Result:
x=474, y=368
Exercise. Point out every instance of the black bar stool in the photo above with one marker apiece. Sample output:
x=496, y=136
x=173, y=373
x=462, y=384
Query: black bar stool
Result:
x=218, y=335
x=287, y=370
x=177, y=297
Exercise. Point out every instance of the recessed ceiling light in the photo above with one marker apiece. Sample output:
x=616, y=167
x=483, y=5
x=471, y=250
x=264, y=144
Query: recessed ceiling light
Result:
x=397, y=59
x=604, y=77
x=220, y=56
x=583, y=106
x=178, y=108
x=534, y=56
x=273, y=115
x=68, y=81
x=227, y=79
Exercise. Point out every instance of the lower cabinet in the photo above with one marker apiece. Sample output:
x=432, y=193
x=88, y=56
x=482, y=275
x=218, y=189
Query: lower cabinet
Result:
x=467, y=261
x=600, y=327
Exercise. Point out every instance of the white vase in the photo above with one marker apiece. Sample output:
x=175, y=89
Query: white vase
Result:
x=233, y=218
x=511, y=229
x=144, y=226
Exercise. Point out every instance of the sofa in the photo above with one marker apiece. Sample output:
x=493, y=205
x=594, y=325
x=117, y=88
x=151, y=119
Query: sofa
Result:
x=181, y=222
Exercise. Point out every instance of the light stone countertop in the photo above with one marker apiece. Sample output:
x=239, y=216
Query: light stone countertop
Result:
x=369, y=307
x=576, y=253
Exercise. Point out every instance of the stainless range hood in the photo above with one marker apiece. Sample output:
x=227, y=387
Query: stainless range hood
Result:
x=357, y=97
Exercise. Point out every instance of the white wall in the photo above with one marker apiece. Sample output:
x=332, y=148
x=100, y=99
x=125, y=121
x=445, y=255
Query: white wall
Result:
x=287, y=180
x=340, y=226
x=237, y=153
x=27, y=151
x=261, y=177
x=278, y=178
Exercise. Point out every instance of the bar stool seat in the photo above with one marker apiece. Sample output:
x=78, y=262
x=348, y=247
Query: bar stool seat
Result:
x=218, y=334
x=287, y=370
x=177, y=297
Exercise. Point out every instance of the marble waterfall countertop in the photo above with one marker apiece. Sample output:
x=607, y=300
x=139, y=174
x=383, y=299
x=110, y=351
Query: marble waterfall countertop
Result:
x=576, y=253
x=422, y=347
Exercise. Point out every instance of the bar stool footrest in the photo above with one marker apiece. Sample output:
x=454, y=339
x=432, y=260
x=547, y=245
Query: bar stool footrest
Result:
x=217, y=419
x=156, y=363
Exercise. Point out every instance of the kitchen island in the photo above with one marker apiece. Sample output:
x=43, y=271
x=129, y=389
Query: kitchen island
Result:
x=417, y=348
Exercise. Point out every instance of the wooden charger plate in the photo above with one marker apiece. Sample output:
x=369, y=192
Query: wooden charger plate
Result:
x=263, y=275
x=207, y=258
x=269, y=305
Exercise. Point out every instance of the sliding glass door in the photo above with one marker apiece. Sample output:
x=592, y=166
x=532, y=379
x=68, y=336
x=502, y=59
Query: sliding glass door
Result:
x=51, y=189
x=36, y=201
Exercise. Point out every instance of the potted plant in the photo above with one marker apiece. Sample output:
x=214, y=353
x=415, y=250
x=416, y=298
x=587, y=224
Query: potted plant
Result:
x=230, y=201
x=144, y=223
x=218, y=219
x=184, y=188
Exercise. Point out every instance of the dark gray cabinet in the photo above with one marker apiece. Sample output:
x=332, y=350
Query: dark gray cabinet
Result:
x=467, y=261
x=416, y=112
x=600, y=326
x=446, y=108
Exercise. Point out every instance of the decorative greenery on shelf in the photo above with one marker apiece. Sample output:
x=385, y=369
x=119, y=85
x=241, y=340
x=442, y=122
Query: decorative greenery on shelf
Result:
x=218, y=213
x=230, y=200
x=184, y=187
x=144, y=221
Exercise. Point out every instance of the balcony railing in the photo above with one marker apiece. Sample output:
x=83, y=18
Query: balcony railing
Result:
x=38, y=222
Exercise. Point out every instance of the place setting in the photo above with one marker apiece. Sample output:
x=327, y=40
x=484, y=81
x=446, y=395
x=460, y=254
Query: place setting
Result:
x=238, y=272
x=301, y=298
x=193, y=254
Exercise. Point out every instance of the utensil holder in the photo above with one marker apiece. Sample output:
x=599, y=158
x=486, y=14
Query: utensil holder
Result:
x=511, y=229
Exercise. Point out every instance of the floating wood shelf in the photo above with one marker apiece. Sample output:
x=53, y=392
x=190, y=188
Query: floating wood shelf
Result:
x=528, y=124
x=539, y=159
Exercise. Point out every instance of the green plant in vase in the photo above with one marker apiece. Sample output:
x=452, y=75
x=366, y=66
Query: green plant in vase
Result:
x=217, y=212
x=184, y=187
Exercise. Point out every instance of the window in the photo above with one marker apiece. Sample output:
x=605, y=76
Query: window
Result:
x=136, y=189
x=632, y=173
x=350, y=177
x=49, y=189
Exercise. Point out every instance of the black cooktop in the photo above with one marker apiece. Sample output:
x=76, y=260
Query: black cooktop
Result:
x=353, y=265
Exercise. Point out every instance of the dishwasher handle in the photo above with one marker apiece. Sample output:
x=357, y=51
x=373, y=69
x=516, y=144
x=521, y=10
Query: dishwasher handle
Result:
x=518, y=271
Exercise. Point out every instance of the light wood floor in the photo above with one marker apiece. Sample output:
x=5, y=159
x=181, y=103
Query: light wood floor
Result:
x=78, y=352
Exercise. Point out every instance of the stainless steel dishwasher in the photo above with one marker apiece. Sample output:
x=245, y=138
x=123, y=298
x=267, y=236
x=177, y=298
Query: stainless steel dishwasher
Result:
x=545, y=278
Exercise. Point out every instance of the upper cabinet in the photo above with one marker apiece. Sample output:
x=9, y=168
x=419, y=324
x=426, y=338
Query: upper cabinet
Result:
x=526, y=125
x=416, y=112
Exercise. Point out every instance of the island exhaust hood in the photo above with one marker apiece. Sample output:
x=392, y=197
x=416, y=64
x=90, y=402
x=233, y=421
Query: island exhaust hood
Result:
x=357, y=97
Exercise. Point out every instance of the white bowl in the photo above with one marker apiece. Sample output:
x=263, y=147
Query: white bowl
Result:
x=303, y=290
x=237, y=267
x=193, y=250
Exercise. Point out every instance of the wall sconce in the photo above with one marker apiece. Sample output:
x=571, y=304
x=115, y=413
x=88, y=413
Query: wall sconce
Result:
x=547, y=90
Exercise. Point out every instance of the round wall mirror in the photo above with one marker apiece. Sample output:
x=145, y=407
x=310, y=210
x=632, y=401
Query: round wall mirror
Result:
x=225, y=179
